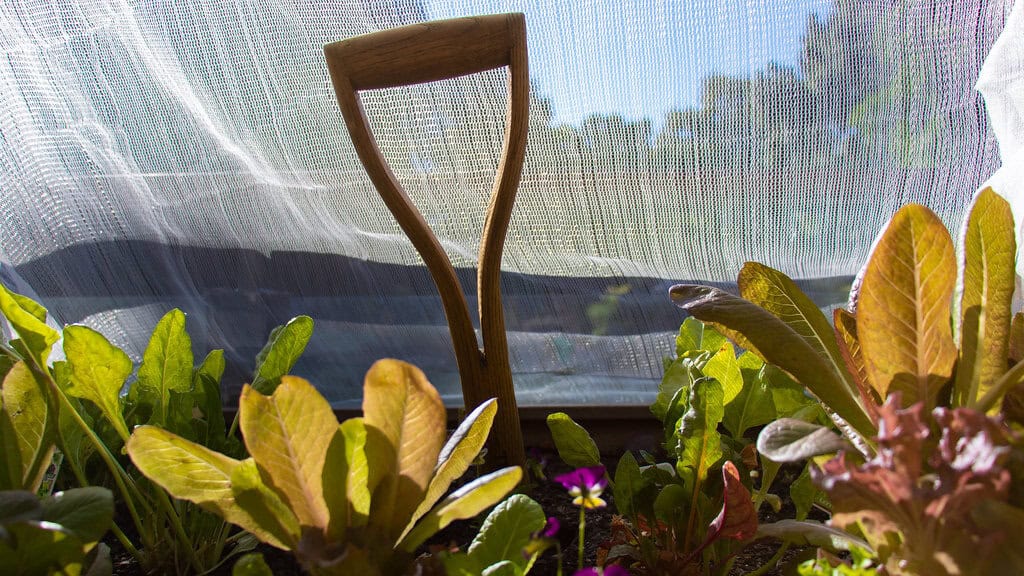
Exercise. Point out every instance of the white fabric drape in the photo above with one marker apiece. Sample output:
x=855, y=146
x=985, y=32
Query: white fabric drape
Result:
x=1001, y=81
x=190, y=153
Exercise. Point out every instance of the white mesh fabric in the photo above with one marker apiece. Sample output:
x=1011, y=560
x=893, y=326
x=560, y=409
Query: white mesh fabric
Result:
x=191, y=154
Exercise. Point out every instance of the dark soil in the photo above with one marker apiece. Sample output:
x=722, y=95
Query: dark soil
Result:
x=555, y=502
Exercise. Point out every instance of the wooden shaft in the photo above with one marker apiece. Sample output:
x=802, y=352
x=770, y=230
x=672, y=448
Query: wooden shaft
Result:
x=423, y=53
x=492, y=319
x=456, y=310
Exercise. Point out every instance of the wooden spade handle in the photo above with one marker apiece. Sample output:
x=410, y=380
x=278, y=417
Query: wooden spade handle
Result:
x=427, y=52
x=436, y=51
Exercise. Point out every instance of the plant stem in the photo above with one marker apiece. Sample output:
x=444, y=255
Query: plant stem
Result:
x=558, y=552
x=771, y=561
x=583, y=526
x=123, y=539
x=165, y=503
x=124, y=482
x=234, y=424
x=76, y=469
x=121, y=477
x=692, y=521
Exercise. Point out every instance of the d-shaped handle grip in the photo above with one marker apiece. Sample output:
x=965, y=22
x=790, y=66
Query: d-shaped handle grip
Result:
x=437, y=51
x=427, y=52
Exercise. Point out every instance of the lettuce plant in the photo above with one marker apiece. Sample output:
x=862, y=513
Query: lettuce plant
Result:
x=56, y=534
x=696, y=510
x=917, y=324
x=923, y=334
x=352, y=498
x=914, y=501
x=81, y=406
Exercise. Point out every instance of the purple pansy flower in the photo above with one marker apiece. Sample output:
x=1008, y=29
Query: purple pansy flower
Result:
x=542, y=539
x=551, y=527
x=585, y=486
x=611, y=570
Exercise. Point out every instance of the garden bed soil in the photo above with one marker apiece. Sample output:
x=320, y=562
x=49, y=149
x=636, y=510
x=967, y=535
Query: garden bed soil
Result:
x=553, y=499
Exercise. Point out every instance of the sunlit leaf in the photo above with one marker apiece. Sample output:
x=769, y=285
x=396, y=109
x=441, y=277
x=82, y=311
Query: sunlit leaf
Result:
x=357, y=483
x=775, y=342
x=466, y=502
x=29, y=305
x=724, y=368
x=268, y=517
x=695, y=335
x=849, y=346
x=284, y=346
x=192, y=472
x=166, y=366
x=985, y=289
x=27, y=319
x=26, y=417
x=402, y=407
x=778, y=294
x=903, y=309
x=288, y=434
x=212, y=367
x=700, y=444
x=678, y=375
x=792, y=440
x=754, y=405
x=97, y=371
x=574, y=444
x=206, y=392
x=458, y=454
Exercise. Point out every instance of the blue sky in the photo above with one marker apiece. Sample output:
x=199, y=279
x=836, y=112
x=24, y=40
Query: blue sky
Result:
x=641, y=58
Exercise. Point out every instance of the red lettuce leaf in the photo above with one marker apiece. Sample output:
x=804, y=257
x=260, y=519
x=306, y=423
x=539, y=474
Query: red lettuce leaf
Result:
x=913, y=499
x=738, y=518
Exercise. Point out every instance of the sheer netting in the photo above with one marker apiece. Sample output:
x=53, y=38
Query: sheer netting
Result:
x=190, y=154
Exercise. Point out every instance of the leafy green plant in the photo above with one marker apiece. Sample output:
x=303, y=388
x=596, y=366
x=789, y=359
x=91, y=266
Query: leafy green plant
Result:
x=921, y=334
x=897, y=334
x=27, y=429
x=860, y=563
x=80, y=405
x=503, y=543
x=352, y=498
x=57, y=534
x=695, y=510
